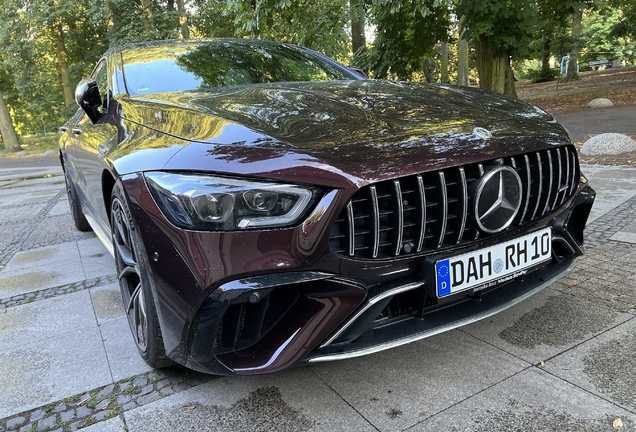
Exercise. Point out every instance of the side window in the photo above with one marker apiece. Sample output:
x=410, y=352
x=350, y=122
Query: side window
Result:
x=101, y=79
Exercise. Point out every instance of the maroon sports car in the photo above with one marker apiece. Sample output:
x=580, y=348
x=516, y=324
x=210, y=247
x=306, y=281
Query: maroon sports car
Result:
x=268, y=207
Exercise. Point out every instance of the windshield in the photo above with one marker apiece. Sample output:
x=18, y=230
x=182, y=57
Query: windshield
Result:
x=180, y=67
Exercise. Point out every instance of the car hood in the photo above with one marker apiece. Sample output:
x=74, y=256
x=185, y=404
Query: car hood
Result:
x=268, y=130
x=309, y=115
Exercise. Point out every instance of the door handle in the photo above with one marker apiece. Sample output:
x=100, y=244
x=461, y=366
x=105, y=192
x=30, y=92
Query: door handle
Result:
x=77, y=131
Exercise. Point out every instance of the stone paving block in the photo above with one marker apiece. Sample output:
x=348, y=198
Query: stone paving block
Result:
x=107, y=302
x=61, y=208
x=123, y=358
x=96, y=260
x=114, y=424
x=19, y=213
x=528, y=402
x=54, y=230
x=51, y=368
x=398, y=388
x=55, y=317
x=545, y=325
x=615, y=185
x=37, y=278
x=65, y=255
x=605, y=365
x=37, y=196
x=622, y=236
x=293, y=400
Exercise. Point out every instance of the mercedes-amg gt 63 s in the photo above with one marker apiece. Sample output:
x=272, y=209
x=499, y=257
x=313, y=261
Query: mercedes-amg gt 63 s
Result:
x=267, y=206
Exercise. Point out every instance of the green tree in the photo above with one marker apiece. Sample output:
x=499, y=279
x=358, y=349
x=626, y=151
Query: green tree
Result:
x=406, y=36
x=501, y=30
x=316, y=24
x=213, y=18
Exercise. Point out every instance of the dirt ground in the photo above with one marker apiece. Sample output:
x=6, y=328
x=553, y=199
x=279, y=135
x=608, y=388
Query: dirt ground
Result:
x=617, y=85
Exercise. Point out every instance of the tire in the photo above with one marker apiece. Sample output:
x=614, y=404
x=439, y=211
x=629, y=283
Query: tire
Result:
x=79, y=220
x=134, y=283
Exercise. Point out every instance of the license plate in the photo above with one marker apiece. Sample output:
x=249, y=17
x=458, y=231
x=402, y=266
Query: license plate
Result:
x=493, y=265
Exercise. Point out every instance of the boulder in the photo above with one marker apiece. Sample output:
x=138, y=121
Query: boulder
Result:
x=22, y=153
x=50, y=153
x=600, y=103
x=608, y=144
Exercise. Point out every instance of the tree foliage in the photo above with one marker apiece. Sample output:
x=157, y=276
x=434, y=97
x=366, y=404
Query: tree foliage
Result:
x=316, y=24
x=46, y=46
x=406, y=36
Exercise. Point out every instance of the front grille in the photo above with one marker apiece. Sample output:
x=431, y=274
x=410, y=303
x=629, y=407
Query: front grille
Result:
x=435, y=210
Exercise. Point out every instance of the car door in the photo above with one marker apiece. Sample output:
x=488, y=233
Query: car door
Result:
x=93, y=140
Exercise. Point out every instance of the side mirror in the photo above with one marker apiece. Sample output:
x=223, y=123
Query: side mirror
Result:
x=359, y=71
x=88, y=98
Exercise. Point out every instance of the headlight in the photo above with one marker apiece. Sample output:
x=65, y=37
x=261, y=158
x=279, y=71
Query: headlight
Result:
x=208, y=203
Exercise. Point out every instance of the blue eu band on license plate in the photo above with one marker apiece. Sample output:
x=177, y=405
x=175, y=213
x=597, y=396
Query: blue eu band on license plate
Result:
x=493, y=265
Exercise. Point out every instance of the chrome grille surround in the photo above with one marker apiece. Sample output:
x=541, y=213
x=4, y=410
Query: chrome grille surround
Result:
x=434, y=210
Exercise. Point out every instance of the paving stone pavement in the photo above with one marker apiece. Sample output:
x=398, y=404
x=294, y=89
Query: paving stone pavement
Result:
x=561, y=360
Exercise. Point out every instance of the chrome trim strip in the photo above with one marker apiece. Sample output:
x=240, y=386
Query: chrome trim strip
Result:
x=550, y=176
x=101, y=235
x=462, y=175
x=540, y=189
x=352, y=230
x=400, y=216
x=442, y=233
x=558, y=179
x=367, y=306
x=574, y=182
x=420, y=186
x=419, y=336
x=376, y=221
x=528, y=188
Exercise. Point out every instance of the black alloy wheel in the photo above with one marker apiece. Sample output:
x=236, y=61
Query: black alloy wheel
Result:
x=132, y=271
x=74, y=204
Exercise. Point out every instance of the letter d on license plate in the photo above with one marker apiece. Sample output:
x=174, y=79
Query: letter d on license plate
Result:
x=493, y=265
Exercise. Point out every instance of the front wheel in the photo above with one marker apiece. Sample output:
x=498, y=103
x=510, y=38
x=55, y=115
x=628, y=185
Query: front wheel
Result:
x=133, y=275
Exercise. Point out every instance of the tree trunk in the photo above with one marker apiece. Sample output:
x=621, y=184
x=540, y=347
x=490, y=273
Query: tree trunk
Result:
x=9, y=137
x=358, y=38
x=462, y=56
x=546, y=72
x=444, y=66
x=61, y=64
x=573, y=73
x=494, y=69
x=183, y=19
x=149, y=21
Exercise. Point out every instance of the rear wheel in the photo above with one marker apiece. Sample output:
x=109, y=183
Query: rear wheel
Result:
x=76, y=207
x=132, y=270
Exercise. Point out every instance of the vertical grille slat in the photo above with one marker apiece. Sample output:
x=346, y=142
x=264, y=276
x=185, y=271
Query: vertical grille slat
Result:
x=376, y=221
x=400, y=216
x=550, y=175
x=435, y=210
x=422, y=201
x=464, y=215
x=528, y=181
x=352, y=229
x=539, y=191
x=444, y=192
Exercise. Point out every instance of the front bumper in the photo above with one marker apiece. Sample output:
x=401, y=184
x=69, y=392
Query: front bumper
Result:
x=261, y=301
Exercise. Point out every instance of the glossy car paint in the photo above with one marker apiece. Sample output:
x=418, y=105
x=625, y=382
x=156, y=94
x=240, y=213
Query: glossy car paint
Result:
x=339, y=136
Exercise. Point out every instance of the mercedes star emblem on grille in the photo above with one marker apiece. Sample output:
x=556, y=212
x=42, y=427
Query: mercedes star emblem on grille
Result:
x=498, y=199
